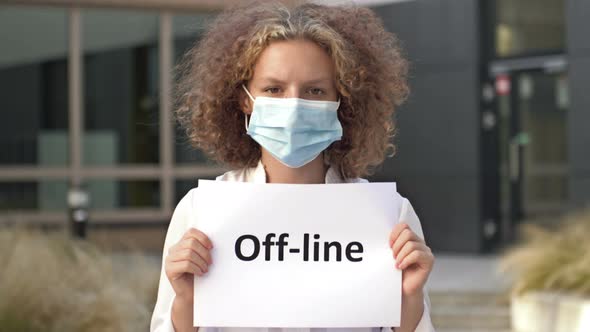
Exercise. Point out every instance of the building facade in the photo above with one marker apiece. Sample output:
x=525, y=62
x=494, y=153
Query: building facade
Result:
x=493, y=133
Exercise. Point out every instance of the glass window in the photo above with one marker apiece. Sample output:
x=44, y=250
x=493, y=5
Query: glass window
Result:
x=115, y=194
x=33, y=86
x=45, y=195
x=529, y=27
x=50, y=195
x=185, y=185
x=182, y=187
x=18, y=196
x=120, y=86
x=187, y=31
x=544, y=120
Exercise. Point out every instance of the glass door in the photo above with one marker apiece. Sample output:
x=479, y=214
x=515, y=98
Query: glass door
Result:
x=532, y=109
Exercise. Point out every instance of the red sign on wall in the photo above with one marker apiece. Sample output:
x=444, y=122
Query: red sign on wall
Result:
x=502, y=85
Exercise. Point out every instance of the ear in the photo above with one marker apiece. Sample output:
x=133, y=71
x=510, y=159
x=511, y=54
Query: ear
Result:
x=246, y=104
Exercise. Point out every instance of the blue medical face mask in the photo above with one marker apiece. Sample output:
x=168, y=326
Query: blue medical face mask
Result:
x=295, y=131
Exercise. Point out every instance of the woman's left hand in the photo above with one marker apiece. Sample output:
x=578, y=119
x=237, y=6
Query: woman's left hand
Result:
x=413, y=256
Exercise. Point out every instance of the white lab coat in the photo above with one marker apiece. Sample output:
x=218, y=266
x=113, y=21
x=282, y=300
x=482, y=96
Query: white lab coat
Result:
x=161, y=318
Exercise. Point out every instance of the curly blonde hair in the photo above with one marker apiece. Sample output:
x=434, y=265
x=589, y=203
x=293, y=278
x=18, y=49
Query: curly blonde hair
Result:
x=371, y=76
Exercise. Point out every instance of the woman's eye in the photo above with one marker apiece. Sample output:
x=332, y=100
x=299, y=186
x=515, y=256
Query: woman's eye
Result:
x=272, y=90
x=316, y=91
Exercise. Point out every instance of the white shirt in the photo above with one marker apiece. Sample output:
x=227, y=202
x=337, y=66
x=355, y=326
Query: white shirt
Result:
x=161, y=318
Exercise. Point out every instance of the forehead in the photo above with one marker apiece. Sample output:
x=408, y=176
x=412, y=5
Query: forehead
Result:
x=294, y=60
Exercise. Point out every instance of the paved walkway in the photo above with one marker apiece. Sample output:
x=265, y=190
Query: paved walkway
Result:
x=454, y=272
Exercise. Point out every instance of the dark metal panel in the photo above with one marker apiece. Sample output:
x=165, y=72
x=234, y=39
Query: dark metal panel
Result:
x=578, y=26
x=439, y=122
x=446, y=206
x=437, y=164
x=434, y=31
x=579, y=189
x=579, y=116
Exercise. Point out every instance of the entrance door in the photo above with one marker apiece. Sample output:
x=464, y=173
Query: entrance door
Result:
x=532, y=108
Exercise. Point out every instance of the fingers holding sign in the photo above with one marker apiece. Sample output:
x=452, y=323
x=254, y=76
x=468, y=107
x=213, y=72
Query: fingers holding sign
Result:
x=190, y=256
x=412, y=255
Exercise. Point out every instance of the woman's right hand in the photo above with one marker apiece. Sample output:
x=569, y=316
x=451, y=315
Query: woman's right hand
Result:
x=189, y=257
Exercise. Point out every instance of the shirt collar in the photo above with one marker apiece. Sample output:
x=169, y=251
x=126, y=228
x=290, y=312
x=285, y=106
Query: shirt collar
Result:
x=258, y=174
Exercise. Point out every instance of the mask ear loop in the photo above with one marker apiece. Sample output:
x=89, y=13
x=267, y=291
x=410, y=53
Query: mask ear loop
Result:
x=248, y=92
x=246, y=115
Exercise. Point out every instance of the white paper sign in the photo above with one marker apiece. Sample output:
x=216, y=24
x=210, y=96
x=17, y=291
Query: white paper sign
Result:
x=289, y=255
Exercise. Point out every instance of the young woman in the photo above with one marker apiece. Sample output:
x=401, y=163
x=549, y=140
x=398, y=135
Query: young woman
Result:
x=291, y=94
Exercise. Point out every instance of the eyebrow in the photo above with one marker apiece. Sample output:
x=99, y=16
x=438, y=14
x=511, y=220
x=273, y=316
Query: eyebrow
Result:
x=313, y=81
